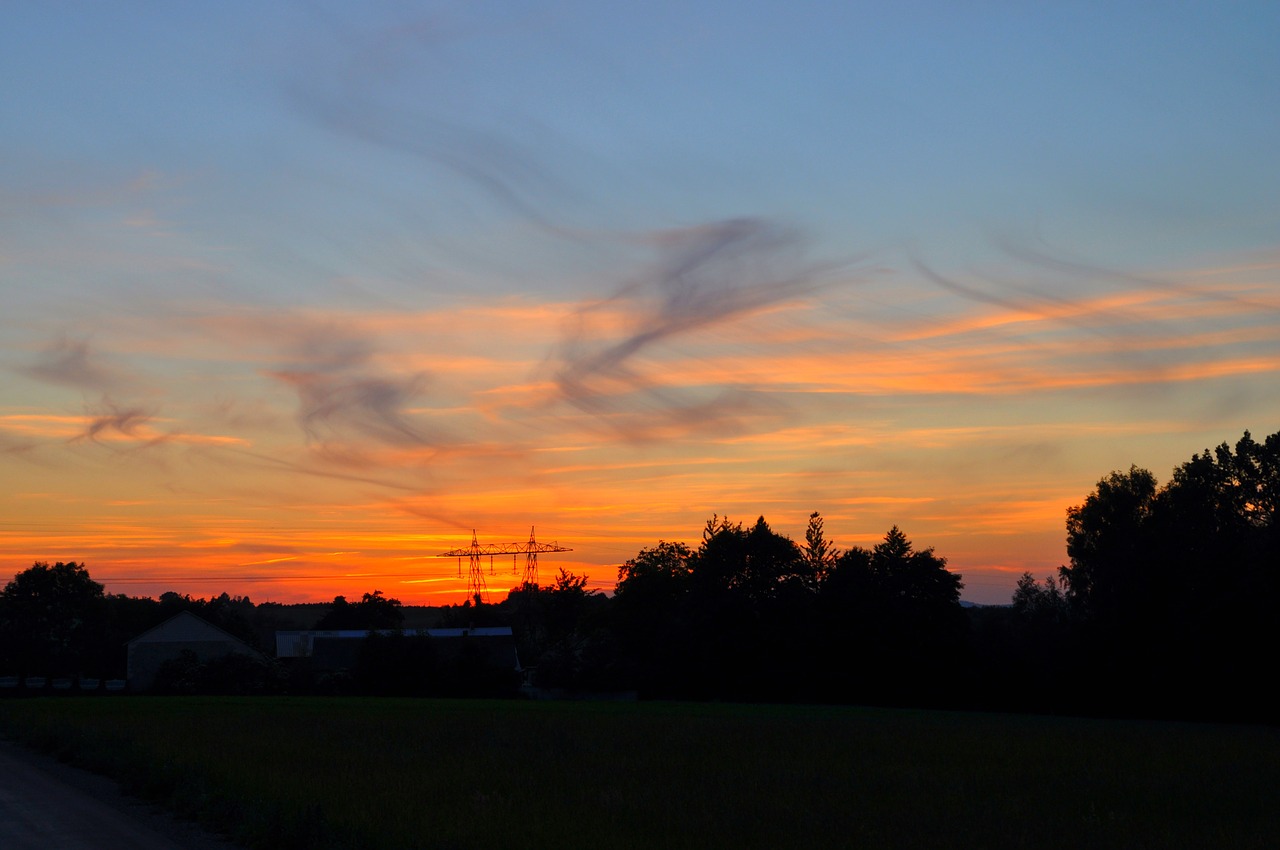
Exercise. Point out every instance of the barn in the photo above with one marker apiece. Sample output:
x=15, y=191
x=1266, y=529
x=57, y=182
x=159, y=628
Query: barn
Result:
x=167, y=641
x=494, y=646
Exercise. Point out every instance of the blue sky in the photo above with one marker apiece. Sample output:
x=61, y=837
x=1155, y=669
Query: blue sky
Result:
x=1134, y=135
x=1040, y=242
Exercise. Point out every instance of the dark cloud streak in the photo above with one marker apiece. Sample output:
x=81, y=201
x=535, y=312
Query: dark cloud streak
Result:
x=331, y=406
x=344, y=397
x=1036, y=258
x=707, y=276
x=280, y=463
x=71, y=363
x=348, y=93
x=127, y=422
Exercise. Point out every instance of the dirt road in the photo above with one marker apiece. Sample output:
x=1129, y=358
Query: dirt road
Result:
x=45, y=805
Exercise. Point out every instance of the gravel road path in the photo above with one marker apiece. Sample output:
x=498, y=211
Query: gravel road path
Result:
x=46, y=805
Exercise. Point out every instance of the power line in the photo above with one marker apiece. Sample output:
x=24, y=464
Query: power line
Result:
x=475, y=552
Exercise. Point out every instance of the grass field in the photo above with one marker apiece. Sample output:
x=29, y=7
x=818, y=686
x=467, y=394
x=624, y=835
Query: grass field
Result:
x=368, y=773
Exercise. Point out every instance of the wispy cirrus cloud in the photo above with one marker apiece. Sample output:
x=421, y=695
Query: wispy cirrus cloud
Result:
x=1112, y=305
x=727, y=376
x=136, y=427
x=345, y=396
x=705, y=277
x=350, y=407
x=125, y=422
x=72, y=363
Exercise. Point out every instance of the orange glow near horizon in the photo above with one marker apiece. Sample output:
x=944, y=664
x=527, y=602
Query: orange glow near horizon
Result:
x=293, y=303
x=304, y=454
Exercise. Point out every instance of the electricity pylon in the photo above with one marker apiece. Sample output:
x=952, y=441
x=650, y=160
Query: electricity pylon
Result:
x=475, y=554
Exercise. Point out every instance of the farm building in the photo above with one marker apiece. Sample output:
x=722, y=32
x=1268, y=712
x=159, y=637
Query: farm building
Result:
x=494, y=646
x=167, y=641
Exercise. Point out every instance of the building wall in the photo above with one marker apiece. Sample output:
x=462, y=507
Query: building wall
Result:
x=145, y=657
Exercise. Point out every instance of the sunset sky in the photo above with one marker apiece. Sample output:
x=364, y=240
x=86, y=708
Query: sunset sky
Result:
x=297, y=294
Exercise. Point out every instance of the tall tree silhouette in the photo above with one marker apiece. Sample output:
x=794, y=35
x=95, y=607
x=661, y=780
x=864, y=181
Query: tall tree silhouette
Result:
x=732, y=619
x=653, y=620
x=1177, y=583
x=892, y=623
x=52, y=619
x=1108, y=542
x=820, y=554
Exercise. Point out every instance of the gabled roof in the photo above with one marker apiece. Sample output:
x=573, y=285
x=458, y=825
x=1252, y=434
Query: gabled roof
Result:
x=340, y=647
x=186, y=626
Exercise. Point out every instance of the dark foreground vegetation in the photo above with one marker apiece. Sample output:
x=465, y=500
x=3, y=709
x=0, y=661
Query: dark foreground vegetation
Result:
x=1166, y=609
x=388, y=773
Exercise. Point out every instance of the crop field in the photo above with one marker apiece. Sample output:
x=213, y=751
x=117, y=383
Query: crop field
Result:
x=371, y=773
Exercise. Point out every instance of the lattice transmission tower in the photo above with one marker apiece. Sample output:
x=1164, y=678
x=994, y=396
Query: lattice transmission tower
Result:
x=476, y=553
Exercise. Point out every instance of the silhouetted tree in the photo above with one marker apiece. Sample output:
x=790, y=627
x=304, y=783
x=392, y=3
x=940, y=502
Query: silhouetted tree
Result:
x=1042, y=603
x=754, y=563
x=373, y=611
x=751, y=615
x=731, y=619
x=232, y=614
x=1032, y=649
x=1108, y=542
x=749, y=628
x=473, y=613
x=916, y=578
x=1176, y=584
x=657, y=576
x=127, y=617
x=652, y=618
x=52, y=619
x=525, y=611
x=820, y=554
x=566, y=603
x=580, y=653
x=891, y=623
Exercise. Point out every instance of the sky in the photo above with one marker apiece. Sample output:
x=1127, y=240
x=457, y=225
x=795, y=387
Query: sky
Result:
x=297, y=295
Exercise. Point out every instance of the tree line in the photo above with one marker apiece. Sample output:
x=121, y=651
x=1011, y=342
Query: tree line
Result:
x=1168, y=600
x=55, y=620
x=1163, y=609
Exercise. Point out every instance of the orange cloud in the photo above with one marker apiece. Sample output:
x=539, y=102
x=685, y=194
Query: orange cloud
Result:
x=973, y=429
